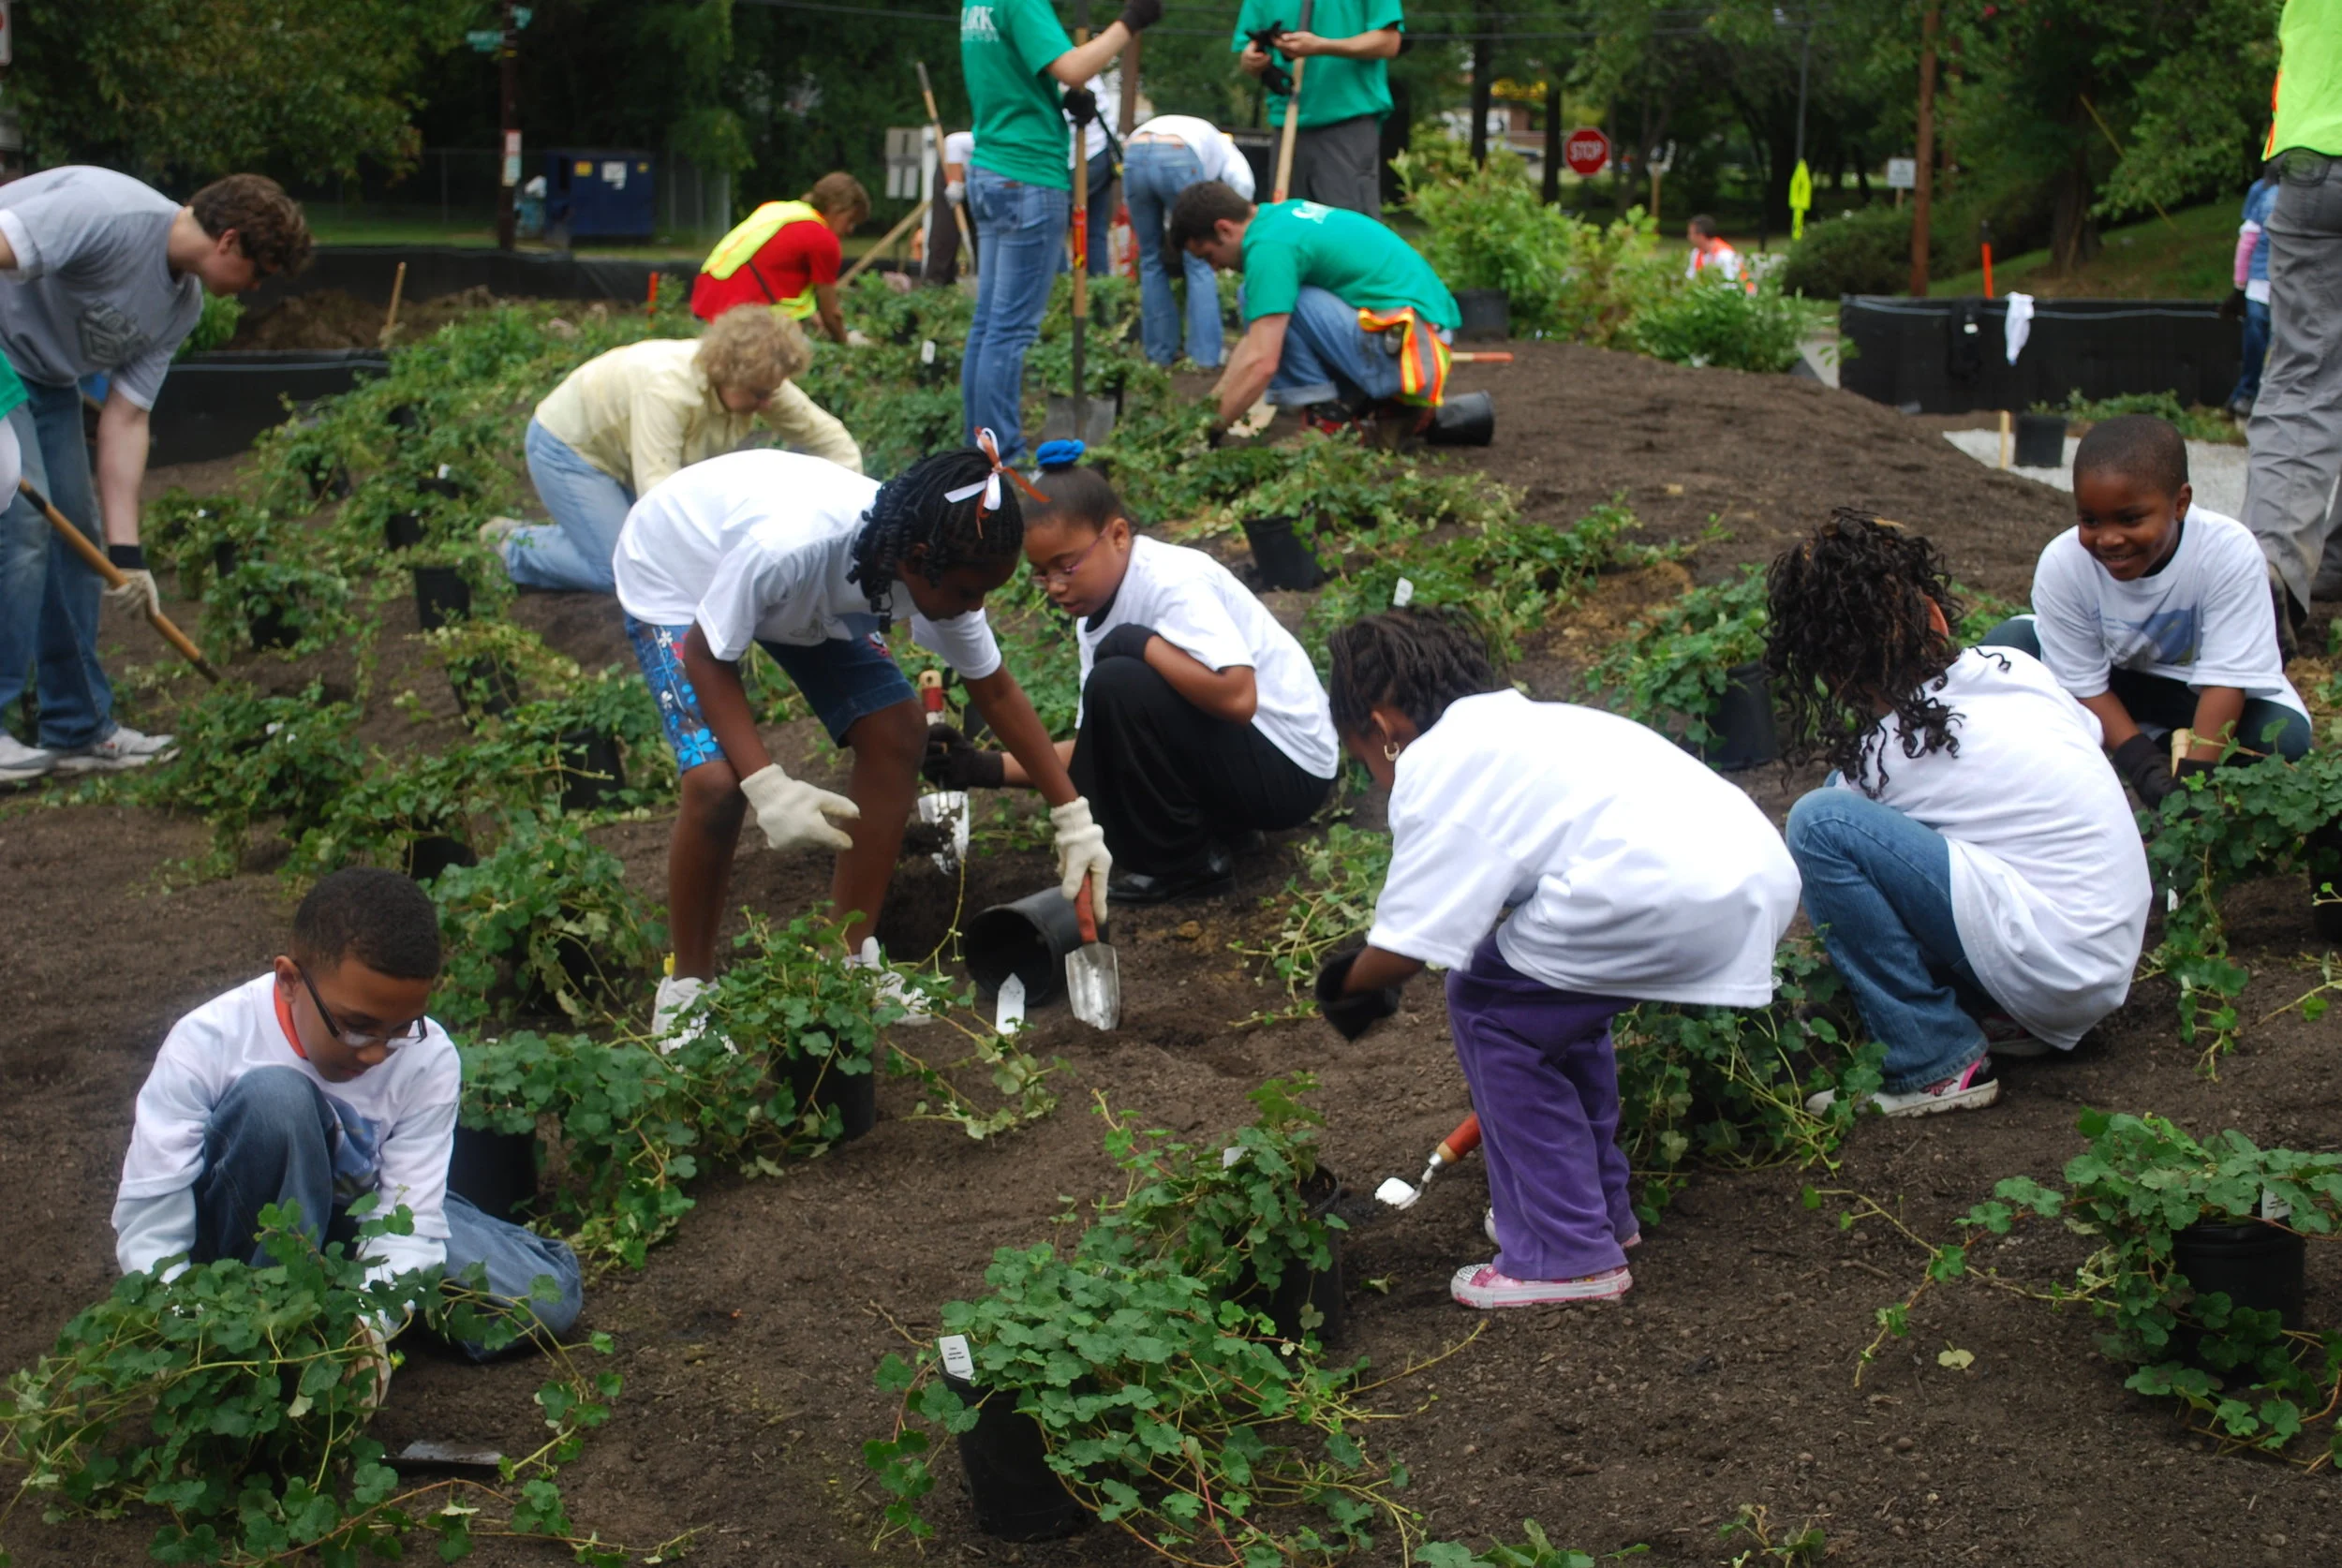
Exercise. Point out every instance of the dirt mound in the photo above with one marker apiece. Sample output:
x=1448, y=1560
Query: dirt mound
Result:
x=336, y=319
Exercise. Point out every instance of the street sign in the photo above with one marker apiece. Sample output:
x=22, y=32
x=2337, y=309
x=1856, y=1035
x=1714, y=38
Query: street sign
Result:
x=1587, y=151
x=1903, y=174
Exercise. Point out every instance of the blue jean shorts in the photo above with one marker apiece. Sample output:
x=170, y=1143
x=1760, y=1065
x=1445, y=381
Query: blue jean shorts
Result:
x=843, y=680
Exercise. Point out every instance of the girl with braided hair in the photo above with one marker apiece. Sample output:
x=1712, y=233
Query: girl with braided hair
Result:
x=1632, y=873
x=1971, y=864
x=813, y=563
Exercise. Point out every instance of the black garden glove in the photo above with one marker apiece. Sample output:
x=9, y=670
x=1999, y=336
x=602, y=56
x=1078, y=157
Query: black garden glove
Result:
x=952, y=763
x=2233, y=309
x=1126, y=642
x=1081, y=105
x=2143, y=766
x=1352, y=1015
x=1139, y=15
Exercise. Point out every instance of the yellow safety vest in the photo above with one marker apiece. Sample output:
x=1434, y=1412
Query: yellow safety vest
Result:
x=738, y=250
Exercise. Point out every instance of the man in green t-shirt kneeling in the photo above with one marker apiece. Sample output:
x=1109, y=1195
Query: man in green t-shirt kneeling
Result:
x=1343, y=320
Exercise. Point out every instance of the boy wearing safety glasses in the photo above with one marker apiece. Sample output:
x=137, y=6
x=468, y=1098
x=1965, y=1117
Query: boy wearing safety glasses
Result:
x=317, y=1083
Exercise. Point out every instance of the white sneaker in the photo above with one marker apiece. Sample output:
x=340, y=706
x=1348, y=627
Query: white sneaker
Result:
x=124, y=749
x=889, y=986
x=20, y=763
x=493, y=532
x=1481, y=1285
x=1972, y=1090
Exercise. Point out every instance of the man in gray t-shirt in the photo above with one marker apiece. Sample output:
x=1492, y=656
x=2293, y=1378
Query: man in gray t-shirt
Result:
x=100, y=275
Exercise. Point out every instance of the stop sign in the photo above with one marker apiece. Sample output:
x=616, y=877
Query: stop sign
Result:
x=1587, y=151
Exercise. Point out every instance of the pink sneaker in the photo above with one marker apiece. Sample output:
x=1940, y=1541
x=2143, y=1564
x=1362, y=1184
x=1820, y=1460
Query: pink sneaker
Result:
x=1481, y=1285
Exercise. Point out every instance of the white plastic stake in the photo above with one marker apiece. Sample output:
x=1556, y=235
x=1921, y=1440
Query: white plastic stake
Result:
x=953, y=1348
x=1008, y=1015
x=926, y=351
x=1402, y=596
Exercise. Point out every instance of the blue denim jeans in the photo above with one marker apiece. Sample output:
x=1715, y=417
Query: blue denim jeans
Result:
x=1878, y=888
x=2159, y=704
x=1153, y=175
x=48, y=598
x=2256, y=351
x=1329, y=357
x=1024, y=240
x=588, y=508
x=272, y=1140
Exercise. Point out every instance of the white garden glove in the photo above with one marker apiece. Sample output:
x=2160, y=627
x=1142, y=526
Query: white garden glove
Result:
x=956, y=191
x=1081, y=852
x=137, y=595
x=858, y=338
x=795, y=815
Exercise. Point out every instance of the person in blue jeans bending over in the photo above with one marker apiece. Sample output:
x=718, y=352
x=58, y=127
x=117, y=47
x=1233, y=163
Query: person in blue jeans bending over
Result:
x=1971, y=865
x=317, y=1083
x=1015, y=55
x=1343, y=319
x=1163, y=157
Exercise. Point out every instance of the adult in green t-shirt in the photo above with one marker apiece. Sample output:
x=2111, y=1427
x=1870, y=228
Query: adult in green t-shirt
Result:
x=1309, y=272
x=1345, y=92
x=1015, y=55
x=2295, y=438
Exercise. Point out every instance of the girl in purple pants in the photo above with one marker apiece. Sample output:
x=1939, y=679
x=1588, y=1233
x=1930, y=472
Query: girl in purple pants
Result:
x=1631, y=872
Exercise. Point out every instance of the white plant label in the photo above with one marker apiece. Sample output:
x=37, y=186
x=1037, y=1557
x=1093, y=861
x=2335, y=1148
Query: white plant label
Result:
x=2274, y=1208
x=953, y=1348
x=1008, y=1015
x=926, y=351
x=1402, y=596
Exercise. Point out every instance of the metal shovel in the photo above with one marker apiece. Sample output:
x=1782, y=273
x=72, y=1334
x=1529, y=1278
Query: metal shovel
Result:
x=1094, y=981
x=1462, y=1141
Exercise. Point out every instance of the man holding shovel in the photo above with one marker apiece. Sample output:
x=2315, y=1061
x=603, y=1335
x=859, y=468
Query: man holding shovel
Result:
x=99, y=275
x=1343, y=90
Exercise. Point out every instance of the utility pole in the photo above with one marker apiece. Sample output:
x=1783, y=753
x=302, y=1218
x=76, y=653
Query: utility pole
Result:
x=1551, y=193
x=1924, y=188
x=1804, y=66
x=1483, y=92
x=508, y=73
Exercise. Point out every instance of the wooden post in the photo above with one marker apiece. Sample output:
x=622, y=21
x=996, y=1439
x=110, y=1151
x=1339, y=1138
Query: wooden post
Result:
x=507, y=92
x=1126, y=121
x=1924, y=193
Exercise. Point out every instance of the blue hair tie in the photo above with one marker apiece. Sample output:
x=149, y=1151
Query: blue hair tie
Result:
x=1054, y=455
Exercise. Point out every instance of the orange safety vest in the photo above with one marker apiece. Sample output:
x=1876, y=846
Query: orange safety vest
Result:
x=1422, y=357
x=1700, y=259
x=738, y=250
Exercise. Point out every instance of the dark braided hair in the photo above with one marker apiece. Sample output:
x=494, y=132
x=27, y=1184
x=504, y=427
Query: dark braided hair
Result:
x=1415, y=660
x=1849, y=637
x=910, y=511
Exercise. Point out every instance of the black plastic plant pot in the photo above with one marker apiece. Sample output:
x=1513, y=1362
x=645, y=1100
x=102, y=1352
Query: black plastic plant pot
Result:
x=441, y=484
x=1028, y=938
x=405, y=416
x=2040, y=441
x=222, y=558
x=402, y=531
x=1323, y=1289
x=592, y=774
x=854, y=1095
x=1488, y=315
x=427, y=856
x=270, y=630
x=2325, y=866
x=488, y=689
x=1016, y=1495
x=1284, y=559
x=1465, y=420
x=2251, y=1262
x=497, y=1172
x=1743, y=722
x=441, y=596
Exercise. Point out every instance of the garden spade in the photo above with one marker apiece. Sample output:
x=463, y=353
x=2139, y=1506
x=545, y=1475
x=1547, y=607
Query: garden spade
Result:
x=1462, y=1141
x=1094, y=981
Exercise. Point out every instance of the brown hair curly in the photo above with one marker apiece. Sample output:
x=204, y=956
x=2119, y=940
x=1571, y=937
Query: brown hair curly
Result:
x=752, y=347
x=269, y=228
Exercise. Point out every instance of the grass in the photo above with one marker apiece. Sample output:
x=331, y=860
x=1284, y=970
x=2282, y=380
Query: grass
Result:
x=2188, y=259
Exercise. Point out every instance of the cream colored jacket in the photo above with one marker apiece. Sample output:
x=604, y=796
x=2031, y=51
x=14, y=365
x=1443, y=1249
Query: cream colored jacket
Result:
x=641, y=412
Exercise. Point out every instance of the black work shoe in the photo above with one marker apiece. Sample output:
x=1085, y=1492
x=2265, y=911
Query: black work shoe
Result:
x=1208, y=878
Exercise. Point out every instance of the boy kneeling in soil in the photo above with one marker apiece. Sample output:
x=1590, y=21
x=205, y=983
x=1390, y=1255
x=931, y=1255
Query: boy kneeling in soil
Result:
x=2154, y=612
x=812, y=563
x=314, y=1085
x=1200, y=715
x=1633, y=873
x=1971, y=865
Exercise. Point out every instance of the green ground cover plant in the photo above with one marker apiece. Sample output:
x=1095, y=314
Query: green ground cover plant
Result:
x=2197, y=423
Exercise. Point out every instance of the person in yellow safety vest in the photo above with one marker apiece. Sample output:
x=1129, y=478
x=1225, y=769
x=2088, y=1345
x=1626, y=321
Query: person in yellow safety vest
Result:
x=785, y=254
x=1712, y=254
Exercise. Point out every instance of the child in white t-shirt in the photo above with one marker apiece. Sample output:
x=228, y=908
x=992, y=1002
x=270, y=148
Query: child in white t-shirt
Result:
x=811, y=562
x=1200, y=717
x=2156, y=614
x=1971, y=865
x=314, y=1085
x=1633, y=873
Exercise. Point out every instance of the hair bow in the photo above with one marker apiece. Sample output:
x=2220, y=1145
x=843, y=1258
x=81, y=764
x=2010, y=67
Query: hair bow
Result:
x=990, y=486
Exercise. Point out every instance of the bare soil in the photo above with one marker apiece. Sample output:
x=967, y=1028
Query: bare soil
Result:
x=1729, y=1376
x=336, y=319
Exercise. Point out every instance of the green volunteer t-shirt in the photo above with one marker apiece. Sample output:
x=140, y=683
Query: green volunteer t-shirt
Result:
x=2309, y=79
x=1349, y=255
x=1005, y=47
x=1332, y=90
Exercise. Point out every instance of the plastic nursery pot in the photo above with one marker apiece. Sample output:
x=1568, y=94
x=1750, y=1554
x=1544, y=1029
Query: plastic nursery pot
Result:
x=820, y=1086
x=1488, y=315
x=2040, y=441
x=489, y=689
x=1016, y=1495
x=428, y=856
x=2325, y=866
x=1028, y=938
x=1285, y=561
x=441, y=596
x=1743, y=722
x=404, y=417
x=2251, y=1262
x=1323, y=1289
x=592, y=774
x=1465, y=420
x=495, y=1172
x=270, y=630
x=402, y=531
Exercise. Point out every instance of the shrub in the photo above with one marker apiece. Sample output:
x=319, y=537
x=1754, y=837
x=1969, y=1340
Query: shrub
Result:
x=1865, y=252
x=245, y=758
x=1713, y=320
x=1672, y=668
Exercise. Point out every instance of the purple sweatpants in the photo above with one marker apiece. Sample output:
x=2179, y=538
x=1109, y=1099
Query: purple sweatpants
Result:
x=1546, y=1086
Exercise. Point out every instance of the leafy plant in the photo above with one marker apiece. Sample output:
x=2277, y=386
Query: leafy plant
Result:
x=214, y=328
x=2196, y=423
x=245, y=758
x=1671, y=669
x=1712, y=320
x=1537, y=1551
x=1325, y=904
x=275, y=603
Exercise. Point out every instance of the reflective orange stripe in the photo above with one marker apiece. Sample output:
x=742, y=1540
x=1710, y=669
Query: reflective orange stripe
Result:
x=1423, y=359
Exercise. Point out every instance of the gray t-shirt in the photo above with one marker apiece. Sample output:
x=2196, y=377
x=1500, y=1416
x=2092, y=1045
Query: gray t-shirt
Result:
x=93, y=290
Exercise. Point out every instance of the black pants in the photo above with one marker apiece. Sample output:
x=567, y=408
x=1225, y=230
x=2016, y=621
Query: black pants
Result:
x=2160, y=702
x=1164, y=780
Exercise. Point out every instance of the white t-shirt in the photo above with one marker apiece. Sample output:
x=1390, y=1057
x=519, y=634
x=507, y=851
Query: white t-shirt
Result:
x=2203, y=620
x=1632, y=870
x=1108, y=89
x=398, y=1128
x=1724, y=261
x=755, y=546
x=2049, y=880
x=1199, y=608
x=1215, y=152
x=959, y=147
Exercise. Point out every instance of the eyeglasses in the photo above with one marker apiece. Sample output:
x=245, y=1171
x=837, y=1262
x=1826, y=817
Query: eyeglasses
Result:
x=1053, y=574
x=405, y=1034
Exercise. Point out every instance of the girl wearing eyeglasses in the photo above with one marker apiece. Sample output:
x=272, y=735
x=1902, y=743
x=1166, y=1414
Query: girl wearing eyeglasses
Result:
x=1201, y=717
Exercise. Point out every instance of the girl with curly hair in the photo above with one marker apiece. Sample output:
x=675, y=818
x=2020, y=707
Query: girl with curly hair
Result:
x=1970, y=864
